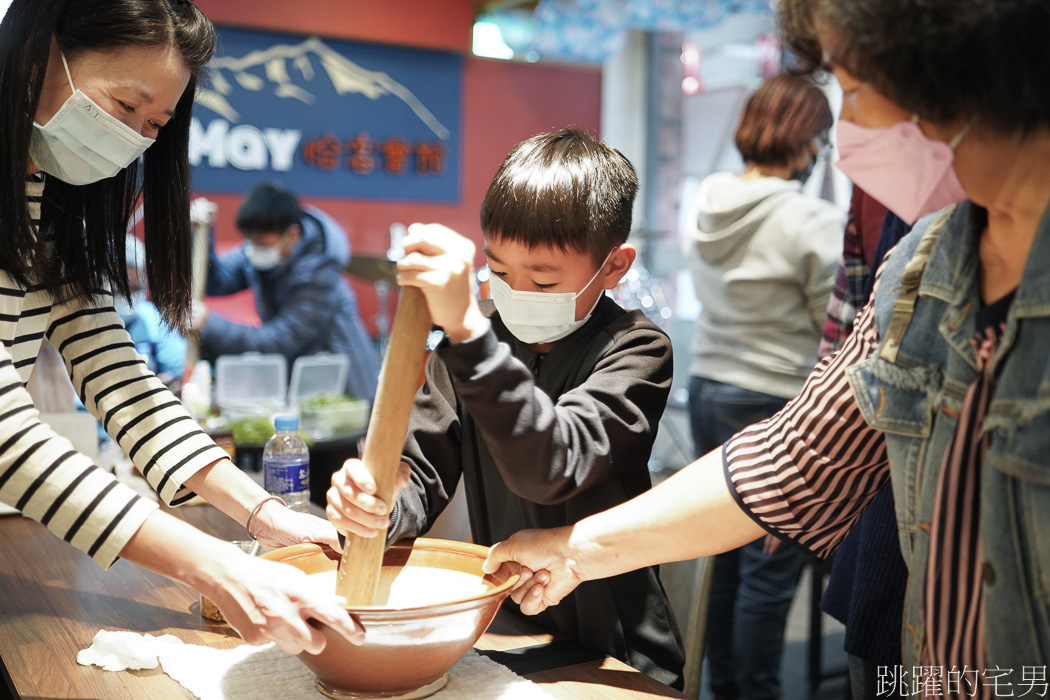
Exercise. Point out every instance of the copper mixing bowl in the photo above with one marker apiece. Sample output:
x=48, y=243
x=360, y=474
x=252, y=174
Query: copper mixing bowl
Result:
x=407, y=651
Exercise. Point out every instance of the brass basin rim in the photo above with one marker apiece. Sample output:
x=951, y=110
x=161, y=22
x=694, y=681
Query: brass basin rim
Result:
x=381, y=613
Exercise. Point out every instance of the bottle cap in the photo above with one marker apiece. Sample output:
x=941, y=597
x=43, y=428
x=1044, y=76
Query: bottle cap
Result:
x=286, y=423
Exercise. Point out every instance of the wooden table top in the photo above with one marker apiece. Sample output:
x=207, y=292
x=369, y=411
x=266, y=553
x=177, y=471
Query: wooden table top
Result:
x=55, y=599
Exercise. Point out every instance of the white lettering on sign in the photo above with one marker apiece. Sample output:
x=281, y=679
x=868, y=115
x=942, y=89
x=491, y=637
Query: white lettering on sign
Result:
x=282, y=144
x=244, y=147
x=210, y=143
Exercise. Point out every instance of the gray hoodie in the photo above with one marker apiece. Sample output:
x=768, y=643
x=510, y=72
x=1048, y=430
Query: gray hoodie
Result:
x=763, y=259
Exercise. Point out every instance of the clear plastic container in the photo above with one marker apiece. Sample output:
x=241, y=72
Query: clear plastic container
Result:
x=323, y=374
x=250, y=385
x=316, y=391
x=286, y=464
x=329, y=421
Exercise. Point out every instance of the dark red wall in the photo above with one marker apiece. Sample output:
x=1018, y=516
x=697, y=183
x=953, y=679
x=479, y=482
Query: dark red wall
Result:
x=433, y=24
x=503, y=103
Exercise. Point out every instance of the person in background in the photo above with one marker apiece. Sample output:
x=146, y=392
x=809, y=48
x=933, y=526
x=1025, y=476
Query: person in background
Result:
x=850, y=292
x=98, y=98
x=762, y=257
x=163, y=348
x=292, y=259
x=865, y=591
x=545, y=401
x=941, y=390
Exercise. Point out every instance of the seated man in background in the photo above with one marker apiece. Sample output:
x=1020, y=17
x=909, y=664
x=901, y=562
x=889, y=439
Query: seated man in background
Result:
x=545, y=400
x=292, y=260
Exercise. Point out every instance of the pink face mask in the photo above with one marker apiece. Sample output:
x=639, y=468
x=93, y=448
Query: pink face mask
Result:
x=909, y=173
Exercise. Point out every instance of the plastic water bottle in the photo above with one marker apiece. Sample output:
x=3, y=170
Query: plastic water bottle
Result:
x=286, y=464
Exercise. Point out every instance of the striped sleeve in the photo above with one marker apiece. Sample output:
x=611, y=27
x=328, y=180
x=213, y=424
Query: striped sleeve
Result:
x=808, y=472
x=44, y=477
x=146, y=420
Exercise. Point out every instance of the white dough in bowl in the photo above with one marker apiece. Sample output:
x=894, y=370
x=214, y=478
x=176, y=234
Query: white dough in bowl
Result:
x=412, y=586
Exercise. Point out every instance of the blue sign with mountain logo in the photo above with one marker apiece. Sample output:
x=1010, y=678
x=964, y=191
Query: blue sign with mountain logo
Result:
x=327, y=117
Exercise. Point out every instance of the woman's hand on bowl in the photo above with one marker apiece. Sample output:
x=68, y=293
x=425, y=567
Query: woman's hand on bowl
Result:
x=529, y=591
x=278, y=526
x=548, y=567
x=272, y=602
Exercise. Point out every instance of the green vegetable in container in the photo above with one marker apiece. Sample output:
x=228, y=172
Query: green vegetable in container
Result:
x=254, y=430
x=331, y=415
x=327, y=400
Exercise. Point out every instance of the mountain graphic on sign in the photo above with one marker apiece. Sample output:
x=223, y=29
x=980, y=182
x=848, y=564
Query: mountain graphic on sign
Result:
x=281, y=61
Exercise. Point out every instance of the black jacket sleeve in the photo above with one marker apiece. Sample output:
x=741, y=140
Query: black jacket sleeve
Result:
x=547, y=450
x=432, y=449
x=550, y=450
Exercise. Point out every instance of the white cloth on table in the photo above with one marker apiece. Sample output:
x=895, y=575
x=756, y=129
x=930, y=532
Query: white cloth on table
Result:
x=246, y=672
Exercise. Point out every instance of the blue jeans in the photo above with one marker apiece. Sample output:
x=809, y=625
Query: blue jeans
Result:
x=751, y=592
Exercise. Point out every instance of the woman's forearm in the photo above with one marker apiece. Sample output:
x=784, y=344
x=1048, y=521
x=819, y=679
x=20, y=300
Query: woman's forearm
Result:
x=691, y=514
x=172, y=547
x=262, y=600
x=227, y=488
x=236, y=494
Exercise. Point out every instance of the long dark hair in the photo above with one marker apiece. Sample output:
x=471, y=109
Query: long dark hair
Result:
x=80, y=247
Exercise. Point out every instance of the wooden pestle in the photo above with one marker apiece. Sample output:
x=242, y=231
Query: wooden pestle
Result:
x=359, y=568
x=200, y=247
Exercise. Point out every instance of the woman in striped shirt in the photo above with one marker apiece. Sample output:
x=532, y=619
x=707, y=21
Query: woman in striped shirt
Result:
x=87, y=87
x=944, y=386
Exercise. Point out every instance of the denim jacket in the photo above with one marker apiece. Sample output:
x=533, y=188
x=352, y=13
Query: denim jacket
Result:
x=912, y=390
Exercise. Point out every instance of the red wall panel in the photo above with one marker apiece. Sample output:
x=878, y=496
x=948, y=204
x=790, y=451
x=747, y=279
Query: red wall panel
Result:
x=503, y=103
x=433, y=24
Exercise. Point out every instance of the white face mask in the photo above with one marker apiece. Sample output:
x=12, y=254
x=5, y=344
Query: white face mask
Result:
x=539, y=317
x=263, y=257
x=84, y=143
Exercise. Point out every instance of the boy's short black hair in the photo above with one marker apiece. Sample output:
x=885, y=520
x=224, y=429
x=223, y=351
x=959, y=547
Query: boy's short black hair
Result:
x=562, y=189
x=268, y=207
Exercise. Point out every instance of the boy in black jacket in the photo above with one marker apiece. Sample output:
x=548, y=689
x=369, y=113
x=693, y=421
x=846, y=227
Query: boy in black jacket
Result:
x=545, y=400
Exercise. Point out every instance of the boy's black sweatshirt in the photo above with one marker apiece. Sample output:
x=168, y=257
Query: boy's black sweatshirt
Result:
x=545, y=440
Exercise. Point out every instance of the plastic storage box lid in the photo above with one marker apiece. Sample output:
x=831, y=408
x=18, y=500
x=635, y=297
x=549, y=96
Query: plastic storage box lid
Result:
x=318, y=375
x=251, y=378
